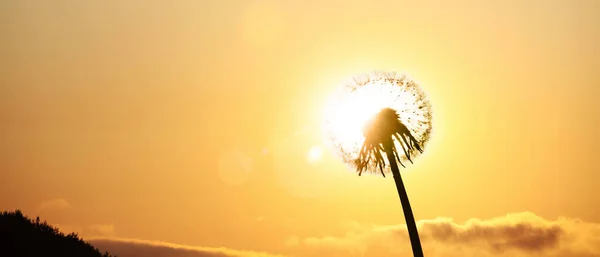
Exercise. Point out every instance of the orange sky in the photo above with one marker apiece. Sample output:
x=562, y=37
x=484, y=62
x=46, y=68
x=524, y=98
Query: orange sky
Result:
x=190, y=122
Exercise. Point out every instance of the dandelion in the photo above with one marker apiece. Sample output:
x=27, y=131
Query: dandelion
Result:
x=376, y=122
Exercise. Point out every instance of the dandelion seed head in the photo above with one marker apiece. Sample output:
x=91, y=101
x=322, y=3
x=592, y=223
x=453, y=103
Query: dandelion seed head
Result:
x=360, y=99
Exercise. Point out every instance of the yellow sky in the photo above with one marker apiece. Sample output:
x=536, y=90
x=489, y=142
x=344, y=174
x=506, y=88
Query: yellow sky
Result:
x=132, y=114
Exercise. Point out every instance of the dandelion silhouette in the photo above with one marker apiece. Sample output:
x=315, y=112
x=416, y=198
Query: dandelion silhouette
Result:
x=380, y=134
x=379, y=114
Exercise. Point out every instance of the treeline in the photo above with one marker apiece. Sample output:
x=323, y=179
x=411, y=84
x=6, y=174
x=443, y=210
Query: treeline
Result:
x=21, y=236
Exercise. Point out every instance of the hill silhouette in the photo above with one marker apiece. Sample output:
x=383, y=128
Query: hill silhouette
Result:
x=24, y=237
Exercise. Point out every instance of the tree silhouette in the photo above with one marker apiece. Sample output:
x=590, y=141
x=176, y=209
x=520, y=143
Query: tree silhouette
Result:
x=379, y=138
x=23, y=237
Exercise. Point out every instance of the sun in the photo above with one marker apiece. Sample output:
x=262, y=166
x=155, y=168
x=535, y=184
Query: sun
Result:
x=361, y=98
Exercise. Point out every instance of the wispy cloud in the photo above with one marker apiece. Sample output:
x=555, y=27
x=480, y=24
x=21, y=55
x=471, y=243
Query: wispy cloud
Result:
x=101, y=230
x=512, y=235
x=54, y=204
x=136, y=247
x=516, y=234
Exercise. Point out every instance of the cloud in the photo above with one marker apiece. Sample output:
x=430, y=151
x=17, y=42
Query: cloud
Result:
x=516, y=234
x=136, y=247
x=57, y=204
x=90, y=231
x=500, y=234
x=101, y=230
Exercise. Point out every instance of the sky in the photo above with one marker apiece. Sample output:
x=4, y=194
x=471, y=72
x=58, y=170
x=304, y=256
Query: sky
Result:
x=194, y=128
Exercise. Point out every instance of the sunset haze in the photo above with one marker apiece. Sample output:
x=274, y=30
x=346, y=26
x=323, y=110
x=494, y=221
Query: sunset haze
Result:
x=199, y=124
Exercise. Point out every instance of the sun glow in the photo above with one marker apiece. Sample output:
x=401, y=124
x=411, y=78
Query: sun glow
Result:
x=361, y=99
x=350, y=115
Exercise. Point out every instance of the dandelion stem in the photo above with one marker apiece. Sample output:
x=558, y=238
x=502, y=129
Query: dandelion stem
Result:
x=413, y=233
